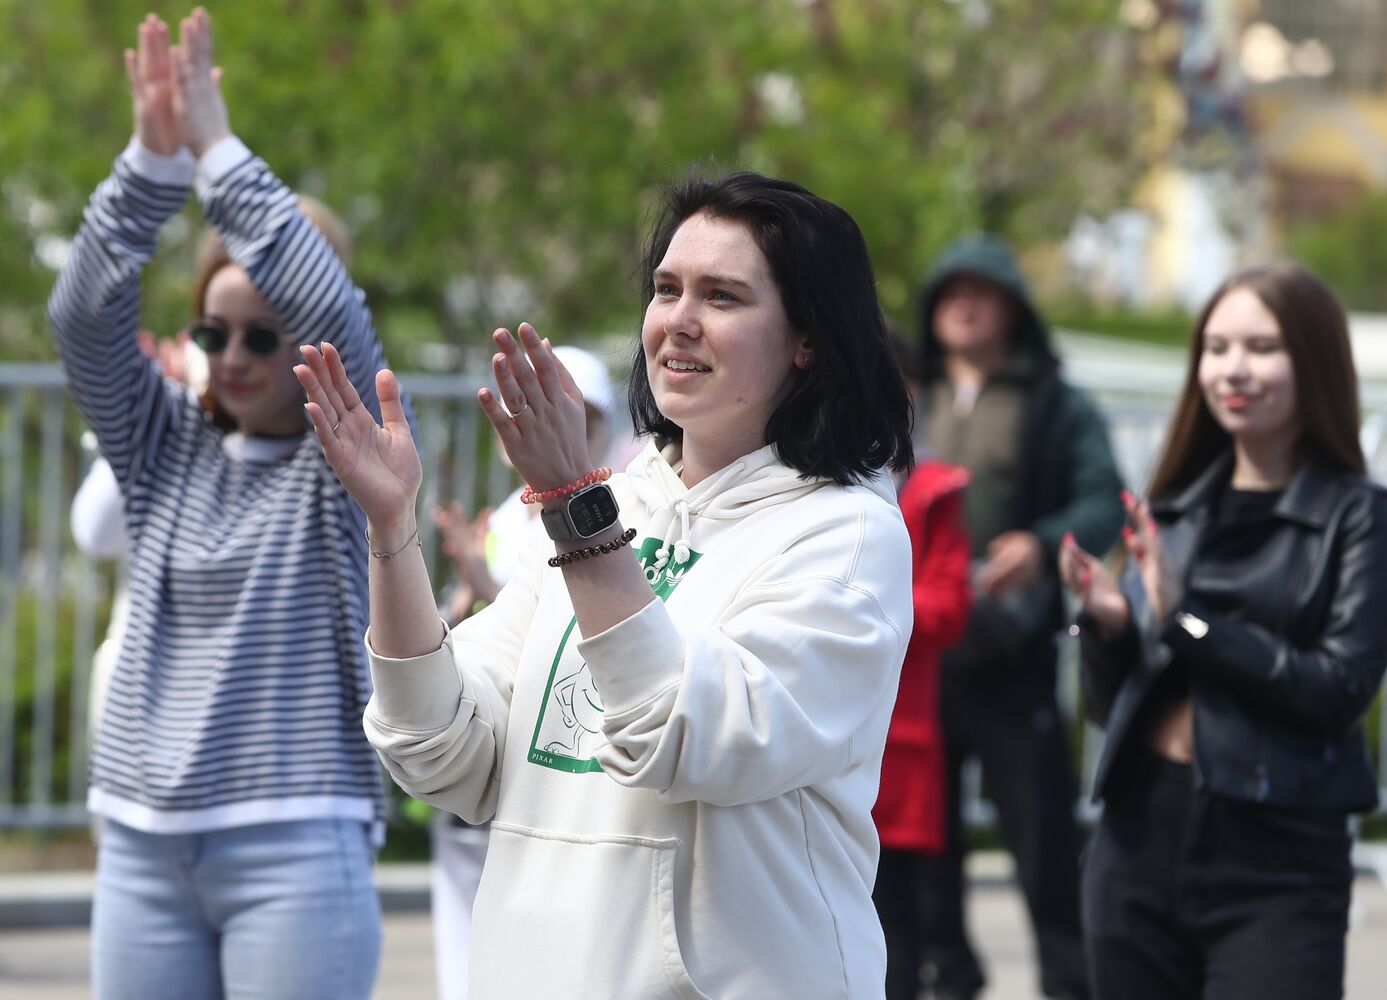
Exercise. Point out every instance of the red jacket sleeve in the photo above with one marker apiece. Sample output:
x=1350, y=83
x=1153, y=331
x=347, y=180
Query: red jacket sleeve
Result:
x=932, y=505
x=943, y=592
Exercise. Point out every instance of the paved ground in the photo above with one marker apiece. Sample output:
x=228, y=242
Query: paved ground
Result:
x=52, y=964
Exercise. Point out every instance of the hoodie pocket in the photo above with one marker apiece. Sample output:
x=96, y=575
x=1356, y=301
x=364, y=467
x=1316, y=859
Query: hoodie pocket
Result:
x=577, y=918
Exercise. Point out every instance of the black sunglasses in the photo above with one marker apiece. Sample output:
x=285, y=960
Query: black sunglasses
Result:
x=260, y=338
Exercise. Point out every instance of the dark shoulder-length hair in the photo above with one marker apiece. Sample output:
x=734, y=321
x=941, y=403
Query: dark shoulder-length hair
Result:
x=849, y=413
x=1315, y=332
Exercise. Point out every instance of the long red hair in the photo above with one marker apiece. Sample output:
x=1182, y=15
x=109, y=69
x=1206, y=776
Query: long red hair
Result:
x=212, y=257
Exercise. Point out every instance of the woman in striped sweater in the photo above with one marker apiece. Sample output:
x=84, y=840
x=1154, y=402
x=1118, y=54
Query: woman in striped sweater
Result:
x=240, y=799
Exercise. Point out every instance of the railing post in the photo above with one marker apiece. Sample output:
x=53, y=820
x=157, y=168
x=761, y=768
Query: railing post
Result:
x=51, y=524
x=11, y=542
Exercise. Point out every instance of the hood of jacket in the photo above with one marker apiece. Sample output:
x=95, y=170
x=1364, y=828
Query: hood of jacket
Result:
x=987, y=257
x=752, y=483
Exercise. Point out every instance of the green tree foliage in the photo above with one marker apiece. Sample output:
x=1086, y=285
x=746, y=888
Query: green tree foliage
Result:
x=1347, y=248
x=498, y=160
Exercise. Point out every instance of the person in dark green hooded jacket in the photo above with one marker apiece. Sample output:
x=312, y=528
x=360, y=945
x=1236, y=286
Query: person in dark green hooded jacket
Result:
x=1041, y=465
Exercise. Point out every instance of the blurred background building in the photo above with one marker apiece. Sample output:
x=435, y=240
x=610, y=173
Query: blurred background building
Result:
x=1270, y=123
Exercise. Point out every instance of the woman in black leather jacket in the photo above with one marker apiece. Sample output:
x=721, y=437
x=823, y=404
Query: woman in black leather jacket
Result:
x=1232, y=666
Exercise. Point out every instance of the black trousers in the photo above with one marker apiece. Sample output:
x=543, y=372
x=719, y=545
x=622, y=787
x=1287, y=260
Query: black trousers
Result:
x=900, y=894
x=1025, y=757
x=1190, y=895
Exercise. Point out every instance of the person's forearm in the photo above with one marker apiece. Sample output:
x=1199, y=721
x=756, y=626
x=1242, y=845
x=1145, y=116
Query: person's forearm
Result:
x=461, y=604
x=95, y=300
x=404, y=618
x=94, y=308
x=485, y=588
x=259, y=221
x=605, y=589
x=290, y=261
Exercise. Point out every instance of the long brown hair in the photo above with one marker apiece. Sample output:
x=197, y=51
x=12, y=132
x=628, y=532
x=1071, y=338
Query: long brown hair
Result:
x=1315, y=332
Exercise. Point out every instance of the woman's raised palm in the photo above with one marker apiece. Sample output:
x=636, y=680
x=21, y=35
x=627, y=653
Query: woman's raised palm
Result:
x=1159, y=577
x=377, y=463
x=1094, y=585
x=149, y=69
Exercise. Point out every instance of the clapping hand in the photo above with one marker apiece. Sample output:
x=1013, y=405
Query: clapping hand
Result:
x=1014, y=559
x=176, y=90
x=197, y=96
x=1143, y=541
x=149, y=68
x=171, y=355
x=464, y=542
x=543, y=425
x=1095, y=587
x=377, y=463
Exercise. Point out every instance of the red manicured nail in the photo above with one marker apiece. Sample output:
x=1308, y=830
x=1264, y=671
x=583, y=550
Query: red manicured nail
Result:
x=1068, y=538
x=1127, y=497
x=1127, y=532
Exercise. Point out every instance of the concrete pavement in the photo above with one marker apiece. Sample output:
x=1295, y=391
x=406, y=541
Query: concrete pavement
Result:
x=52, y=964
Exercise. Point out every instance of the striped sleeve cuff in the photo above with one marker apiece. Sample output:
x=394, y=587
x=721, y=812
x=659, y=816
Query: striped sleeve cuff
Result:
x=175, y=170
x=219, y=161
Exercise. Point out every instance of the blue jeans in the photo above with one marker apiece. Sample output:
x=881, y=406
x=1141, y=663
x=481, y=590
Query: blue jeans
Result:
x=277, y=910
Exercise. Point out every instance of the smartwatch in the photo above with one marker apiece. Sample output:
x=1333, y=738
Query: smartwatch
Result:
x=590, y=511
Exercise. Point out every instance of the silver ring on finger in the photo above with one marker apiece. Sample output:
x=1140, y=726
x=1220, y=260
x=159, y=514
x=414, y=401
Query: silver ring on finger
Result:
x=524, y=405
x=336, y=425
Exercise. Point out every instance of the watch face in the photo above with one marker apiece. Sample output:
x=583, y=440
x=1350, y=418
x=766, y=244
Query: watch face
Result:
x=592, y=510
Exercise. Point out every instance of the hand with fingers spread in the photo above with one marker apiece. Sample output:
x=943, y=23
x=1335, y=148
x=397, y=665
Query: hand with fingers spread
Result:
x=377, y=463
x=464, y=541
x=542, y=424
x=1159, y=578
x=197, y=97
x=1014, y=559
x=149, y=68
x=1094, y=585
x=171, y=354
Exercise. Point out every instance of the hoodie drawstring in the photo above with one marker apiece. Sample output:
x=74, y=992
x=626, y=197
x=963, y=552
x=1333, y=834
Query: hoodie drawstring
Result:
x=682, y=550
x=681, y=544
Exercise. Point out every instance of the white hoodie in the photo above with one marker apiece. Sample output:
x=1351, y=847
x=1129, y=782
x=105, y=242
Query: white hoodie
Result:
x=702, y=828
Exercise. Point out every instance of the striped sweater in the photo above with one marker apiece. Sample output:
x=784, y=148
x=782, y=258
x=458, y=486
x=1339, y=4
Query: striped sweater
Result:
x=239, y=690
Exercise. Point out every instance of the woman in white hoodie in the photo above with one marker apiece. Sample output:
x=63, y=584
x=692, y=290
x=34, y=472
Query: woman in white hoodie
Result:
x=674, y=715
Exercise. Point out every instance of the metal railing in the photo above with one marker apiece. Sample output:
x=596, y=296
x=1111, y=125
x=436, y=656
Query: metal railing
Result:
x=54, y=601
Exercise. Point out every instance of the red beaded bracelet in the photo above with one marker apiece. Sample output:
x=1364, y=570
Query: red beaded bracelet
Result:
x=530, y=495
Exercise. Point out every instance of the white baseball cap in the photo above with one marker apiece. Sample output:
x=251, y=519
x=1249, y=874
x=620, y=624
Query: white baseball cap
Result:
x=594, y=381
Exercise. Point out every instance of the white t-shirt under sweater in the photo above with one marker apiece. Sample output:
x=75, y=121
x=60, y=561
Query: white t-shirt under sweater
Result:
x=238, y=693
x=681, y=805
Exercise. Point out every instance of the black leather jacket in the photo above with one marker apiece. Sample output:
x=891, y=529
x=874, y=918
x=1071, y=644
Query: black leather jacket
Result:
x=1278, y=706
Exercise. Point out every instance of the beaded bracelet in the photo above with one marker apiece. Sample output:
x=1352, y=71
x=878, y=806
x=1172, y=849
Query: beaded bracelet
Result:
x=531, y=495
x=624, y=538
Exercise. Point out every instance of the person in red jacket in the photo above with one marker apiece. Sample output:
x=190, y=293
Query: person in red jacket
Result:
x=910, y=808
